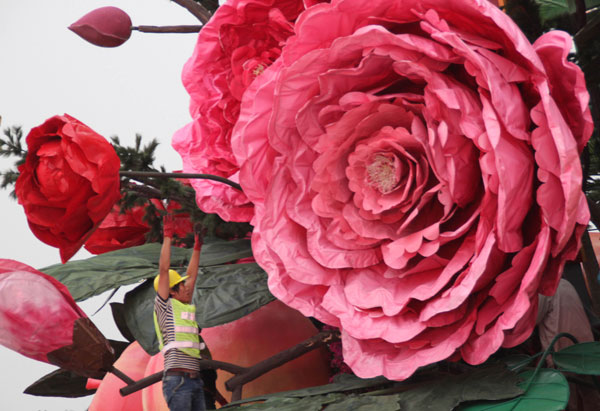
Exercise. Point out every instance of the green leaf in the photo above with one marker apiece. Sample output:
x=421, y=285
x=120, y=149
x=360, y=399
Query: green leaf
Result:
x=65, y=383
x=488, y=383
x=219, y=252
x=366, y=403
x=60, y=383
x=95, y=275
x=223, y=294
x=493, y=382
x=313, y=398
x=549, y=391
x=590, y=4
x=279, y=403
x=583, y=358
x=552, y=9
x=342, y=383
x=118, y=312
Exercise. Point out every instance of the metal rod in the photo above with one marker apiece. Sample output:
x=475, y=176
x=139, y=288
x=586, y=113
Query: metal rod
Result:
x=122, y=375
x=141, y=384
x=167, y=29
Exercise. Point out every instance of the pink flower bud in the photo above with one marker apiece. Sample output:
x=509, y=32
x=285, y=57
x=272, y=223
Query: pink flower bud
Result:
x=104, y=27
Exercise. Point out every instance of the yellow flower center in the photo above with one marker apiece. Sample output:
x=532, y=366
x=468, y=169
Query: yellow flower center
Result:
x=382, y=173
x=259, y=70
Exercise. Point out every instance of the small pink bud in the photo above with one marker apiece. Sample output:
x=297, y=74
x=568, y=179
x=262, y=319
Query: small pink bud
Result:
x=104, y=27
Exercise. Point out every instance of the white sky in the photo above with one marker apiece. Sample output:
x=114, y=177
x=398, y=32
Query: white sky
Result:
x=45, y=70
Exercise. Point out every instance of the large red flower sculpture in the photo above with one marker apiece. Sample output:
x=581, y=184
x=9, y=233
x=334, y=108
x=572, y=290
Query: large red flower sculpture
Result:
x=128, y=229
x=68, y=184
x=119, y=230
x=414, y=167
x=240, y=41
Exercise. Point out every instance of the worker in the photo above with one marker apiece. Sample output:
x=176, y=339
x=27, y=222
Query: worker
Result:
x=176, y=327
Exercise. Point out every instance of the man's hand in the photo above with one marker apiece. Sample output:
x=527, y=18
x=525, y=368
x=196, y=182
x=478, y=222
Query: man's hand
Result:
x=199, y=233
x=168, y=225
x=192, y=270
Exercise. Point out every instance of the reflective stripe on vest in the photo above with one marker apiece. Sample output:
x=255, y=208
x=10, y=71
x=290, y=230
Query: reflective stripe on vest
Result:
x=183, y=344
x=186, y=315
x=184, y=329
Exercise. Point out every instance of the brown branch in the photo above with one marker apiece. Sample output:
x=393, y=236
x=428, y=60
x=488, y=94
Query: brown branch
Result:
x=167, y=29
x=235, y=383
x=133, y=386
x=243, y=375
x=158, y=174
x=196, y=9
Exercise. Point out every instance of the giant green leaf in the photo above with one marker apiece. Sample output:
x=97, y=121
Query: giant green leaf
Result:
x=280, y=403
x=437, y=394
x=312, y=398
x=329, y=402
x=488, y=383
x=65, y=383
x=342, y=383
x=549, y=391
x=223, y=294
x=95, y=275
x=552, y=9
x=581, y=358
x=60, y=383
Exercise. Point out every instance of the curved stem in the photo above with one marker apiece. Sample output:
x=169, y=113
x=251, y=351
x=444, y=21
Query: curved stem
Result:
x=195, y=8
x=549, y=349
x=158, y=174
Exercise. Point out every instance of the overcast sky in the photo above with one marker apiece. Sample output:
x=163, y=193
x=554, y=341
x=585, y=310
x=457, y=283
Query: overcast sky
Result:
x=46, y=70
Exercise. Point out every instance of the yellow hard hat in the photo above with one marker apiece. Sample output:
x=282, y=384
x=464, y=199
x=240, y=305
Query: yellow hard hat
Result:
x=174, y=279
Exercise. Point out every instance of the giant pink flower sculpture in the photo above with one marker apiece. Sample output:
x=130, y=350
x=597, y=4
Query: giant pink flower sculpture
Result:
x=414, y=167
x=240, y=41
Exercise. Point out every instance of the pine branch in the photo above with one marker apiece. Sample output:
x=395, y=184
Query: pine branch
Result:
x=9, y=178
x=138, y=157
x=12, y=145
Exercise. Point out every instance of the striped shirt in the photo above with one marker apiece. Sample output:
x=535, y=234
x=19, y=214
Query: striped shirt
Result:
x=173, y=358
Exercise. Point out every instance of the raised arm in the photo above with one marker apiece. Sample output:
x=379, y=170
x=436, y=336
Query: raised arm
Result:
x=165, y=257
x=192, y=270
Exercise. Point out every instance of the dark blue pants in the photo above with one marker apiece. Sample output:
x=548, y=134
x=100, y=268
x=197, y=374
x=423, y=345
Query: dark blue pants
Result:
x=183, y=393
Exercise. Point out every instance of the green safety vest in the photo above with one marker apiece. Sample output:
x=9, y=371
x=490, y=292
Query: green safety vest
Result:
x=187, y=339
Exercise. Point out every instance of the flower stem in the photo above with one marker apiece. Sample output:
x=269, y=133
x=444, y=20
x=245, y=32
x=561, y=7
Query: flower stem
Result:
x=196, y=9
x=127, y=173
x=167, y=29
